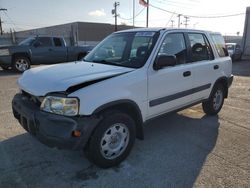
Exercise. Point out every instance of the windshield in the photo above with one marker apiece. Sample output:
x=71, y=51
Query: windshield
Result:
x=27, y=42
x=124, y=49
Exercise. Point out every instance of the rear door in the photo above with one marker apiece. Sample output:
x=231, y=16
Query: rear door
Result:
x=170, y=88
x=206, y=69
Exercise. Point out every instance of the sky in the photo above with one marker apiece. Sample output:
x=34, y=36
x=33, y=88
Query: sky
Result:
x=29, y=14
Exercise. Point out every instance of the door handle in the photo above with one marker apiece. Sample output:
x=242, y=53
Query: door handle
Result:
x=187, y=73
x=50, y=50
x=216, y=67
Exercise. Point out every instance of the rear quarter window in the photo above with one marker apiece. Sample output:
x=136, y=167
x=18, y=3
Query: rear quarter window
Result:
x=57, y=42
x=220, y=44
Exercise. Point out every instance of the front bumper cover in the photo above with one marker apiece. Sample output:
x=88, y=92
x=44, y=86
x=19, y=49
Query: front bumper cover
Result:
x=51, y=129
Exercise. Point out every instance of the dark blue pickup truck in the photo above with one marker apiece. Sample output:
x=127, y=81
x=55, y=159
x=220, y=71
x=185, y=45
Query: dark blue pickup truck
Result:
x=39, y=50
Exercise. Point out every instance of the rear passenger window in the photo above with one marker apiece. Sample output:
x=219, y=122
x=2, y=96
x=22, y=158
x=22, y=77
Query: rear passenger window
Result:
x=57, y=41
x=200, y=47
x=219, y=44
x=174, y=44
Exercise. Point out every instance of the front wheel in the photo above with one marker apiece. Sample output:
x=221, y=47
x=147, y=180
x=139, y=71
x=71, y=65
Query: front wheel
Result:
x=21, y=64
x=215, y=102
x=112, y=140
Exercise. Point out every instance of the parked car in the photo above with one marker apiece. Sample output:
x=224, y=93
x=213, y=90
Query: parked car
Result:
x=100, y=105
x=234, y=51
x=39, y=50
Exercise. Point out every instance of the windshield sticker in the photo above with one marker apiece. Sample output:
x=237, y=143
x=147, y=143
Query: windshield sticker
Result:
x=145, y=34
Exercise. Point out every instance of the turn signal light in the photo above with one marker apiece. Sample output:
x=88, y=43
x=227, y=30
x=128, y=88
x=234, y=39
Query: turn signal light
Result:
x=76, y=133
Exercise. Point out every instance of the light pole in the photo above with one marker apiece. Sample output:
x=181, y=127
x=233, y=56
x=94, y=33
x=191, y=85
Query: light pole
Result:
x=147, y=12
x=133, y=13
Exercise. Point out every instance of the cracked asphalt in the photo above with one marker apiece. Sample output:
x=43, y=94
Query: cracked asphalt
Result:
x=184, y=149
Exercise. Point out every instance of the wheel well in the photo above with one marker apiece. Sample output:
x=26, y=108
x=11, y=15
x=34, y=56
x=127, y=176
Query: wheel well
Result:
x=129, y=108
x=223, y=81
x=20, y=54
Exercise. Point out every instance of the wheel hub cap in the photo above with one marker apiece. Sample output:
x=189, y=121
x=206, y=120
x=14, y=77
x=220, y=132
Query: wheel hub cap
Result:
x=114, y=141
x=21, y=65
x=218, y=98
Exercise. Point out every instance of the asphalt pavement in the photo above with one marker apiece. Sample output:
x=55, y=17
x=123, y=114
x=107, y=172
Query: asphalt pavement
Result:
x=184, y=149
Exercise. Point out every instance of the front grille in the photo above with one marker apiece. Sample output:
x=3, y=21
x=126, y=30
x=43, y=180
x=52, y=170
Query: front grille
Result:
x=34, y=99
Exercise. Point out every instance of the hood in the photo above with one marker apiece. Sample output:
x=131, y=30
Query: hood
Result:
x=58, y=78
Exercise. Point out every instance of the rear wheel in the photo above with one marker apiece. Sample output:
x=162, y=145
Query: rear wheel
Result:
x=112, y=140
x=21, y=64
x=215, y=102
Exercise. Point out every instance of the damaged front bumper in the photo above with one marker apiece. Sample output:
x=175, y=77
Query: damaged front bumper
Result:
x=51, y=129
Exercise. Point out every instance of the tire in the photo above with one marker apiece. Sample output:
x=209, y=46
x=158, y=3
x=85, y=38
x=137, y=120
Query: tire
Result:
x=21, y=64
x=216, y=100
x=112, y=140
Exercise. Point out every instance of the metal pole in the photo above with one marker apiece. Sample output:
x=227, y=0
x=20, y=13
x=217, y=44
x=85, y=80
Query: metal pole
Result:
x=147, y=13
x=1, y=27
x=116, y=4
x=186, y=21
x=133, y=13
x=179, y=20
x=115, y=16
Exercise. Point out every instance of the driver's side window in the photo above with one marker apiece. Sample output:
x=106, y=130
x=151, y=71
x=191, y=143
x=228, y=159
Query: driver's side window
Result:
x=113, y=49
x=43, y=42
x=174, y=45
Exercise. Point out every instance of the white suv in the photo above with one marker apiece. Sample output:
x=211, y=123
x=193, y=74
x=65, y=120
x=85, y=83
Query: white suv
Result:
x=100, y=104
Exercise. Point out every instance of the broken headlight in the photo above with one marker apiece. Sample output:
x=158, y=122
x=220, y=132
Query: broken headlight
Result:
x=60, y=105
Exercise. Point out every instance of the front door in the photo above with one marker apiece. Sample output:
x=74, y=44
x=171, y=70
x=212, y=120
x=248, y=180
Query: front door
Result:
x=170, y=88
x=59, y=52
x=42, y=51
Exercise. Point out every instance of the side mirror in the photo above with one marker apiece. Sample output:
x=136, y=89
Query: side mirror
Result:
x=165, y=61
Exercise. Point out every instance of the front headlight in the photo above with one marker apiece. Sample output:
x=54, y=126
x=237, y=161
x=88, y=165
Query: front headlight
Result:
x=4, y=52
x=60, y=105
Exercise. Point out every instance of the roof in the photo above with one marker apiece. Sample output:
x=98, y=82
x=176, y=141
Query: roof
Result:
x=156, y=29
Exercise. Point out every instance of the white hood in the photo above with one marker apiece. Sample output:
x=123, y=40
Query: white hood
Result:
x=56, y=78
